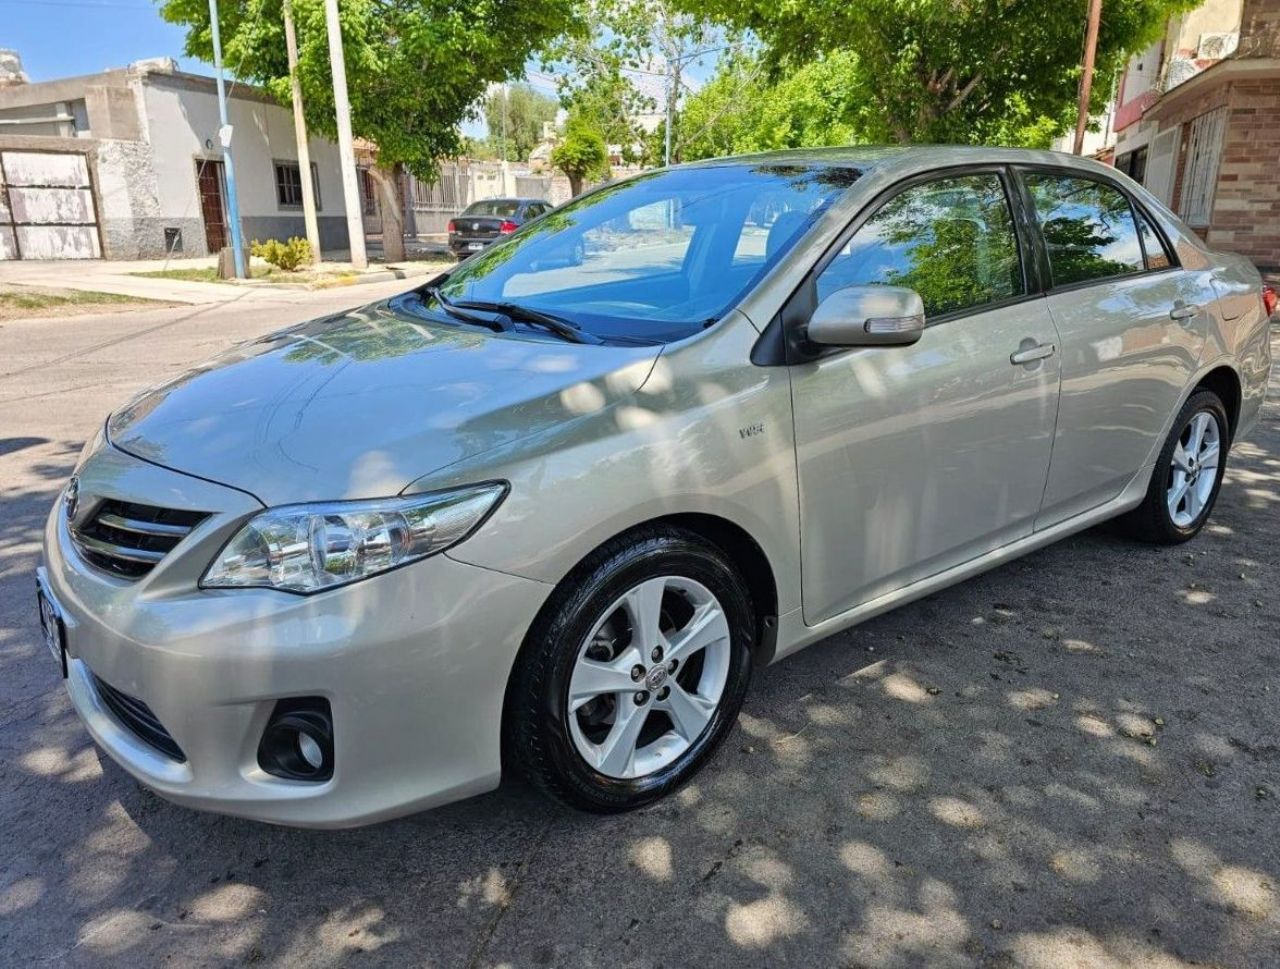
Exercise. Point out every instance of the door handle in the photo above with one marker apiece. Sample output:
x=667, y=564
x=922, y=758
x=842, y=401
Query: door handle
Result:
x=1183, y=311
x=1031, y=354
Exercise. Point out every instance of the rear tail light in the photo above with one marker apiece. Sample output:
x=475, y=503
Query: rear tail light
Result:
x=1270, y=299
x=507, y=227
x=453, y=226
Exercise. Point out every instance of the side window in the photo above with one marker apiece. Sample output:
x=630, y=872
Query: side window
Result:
x=951, y=240
x=1088, y=227
x=1152, y=244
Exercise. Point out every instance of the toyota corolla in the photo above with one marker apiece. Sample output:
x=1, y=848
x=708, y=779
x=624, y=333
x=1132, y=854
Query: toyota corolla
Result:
x=548, y=512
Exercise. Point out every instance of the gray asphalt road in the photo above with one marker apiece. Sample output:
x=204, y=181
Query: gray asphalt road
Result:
x=1071, y=761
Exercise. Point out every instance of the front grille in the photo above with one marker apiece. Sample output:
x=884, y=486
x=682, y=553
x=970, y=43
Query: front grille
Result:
x=137, y=717
x=128, y=539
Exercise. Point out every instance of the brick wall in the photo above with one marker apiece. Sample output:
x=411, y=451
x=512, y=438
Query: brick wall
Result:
x=1246, y=207
x=1246, y=203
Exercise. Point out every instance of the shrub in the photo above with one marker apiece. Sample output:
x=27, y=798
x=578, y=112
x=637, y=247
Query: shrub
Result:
x=288, y=256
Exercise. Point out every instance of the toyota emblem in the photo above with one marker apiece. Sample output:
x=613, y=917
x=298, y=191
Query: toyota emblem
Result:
x=71, y=497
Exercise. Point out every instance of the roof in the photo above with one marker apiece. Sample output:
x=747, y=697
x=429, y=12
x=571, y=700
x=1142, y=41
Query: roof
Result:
x=914, y=157
x=160, y=71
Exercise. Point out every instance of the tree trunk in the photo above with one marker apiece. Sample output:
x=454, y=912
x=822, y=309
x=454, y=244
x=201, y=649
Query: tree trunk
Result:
x=391, y=204
x=575, y=185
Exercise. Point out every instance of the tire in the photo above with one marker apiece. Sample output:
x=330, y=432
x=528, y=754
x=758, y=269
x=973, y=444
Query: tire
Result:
x=589, y=625
x=1154, y=520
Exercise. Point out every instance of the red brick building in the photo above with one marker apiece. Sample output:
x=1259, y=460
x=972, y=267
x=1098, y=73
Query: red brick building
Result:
x=1204, y=134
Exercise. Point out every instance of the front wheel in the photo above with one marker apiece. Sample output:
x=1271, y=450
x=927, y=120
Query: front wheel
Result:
x=633, y=673
x=1188, y=474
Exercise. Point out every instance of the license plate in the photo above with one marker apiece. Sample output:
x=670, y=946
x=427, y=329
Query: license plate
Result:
x=475, y=246
x=52, y=627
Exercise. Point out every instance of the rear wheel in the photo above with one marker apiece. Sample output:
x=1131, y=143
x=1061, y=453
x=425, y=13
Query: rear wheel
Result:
x=633, y=674
x=1188, y=474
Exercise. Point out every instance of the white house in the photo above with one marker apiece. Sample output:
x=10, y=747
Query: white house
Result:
x=126, y=164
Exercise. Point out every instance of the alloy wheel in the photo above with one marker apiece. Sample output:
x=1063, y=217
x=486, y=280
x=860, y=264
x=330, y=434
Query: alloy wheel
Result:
x=1194, y=469
x=649, y=676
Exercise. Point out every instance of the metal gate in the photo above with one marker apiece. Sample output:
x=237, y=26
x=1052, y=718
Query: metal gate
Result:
x=47, y=208
x=1200, y=178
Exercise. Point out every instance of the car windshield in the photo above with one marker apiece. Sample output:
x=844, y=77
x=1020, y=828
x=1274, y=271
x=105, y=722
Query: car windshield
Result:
x=504, y=208
x=657, y=257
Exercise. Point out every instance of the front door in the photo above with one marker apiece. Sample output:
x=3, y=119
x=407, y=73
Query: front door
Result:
x=1132, y=326
x=916, y=459
x=209, y=178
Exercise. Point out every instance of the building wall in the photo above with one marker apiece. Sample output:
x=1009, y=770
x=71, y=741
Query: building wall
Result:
x=1246, y=207
x=1211, y=17
x=1245, y=216
x=182, y=121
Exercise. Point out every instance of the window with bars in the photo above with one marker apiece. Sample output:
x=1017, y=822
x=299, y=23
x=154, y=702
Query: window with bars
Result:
x=1200, y=178
x=289, y=184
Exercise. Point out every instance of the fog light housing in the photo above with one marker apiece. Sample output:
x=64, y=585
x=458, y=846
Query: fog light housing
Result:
x=297, y=743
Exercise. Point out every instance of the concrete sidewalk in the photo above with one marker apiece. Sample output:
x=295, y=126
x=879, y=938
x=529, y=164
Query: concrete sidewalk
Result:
x=123, y=279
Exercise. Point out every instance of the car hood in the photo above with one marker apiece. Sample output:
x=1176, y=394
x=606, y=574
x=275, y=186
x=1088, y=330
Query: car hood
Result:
x=361, y=404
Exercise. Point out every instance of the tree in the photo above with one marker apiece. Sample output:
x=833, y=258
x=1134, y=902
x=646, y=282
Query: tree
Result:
x=617, y=42
x=581, y=153
x=739, y=110
x=981, y=71
x=415, y=69
x=520, y=112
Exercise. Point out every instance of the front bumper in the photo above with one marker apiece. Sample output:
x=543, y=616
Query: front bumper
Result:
x=414, y=664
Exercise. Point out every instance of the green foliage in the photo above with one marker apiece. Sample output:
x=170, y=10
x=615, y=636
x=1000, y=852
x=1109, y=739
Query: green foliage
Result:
x=581, y=153
x=610, y=102
x=979, y=72
x=415, y=70
x=612, y=42
x=289, y=256
x=739, y=110
x=525, y=113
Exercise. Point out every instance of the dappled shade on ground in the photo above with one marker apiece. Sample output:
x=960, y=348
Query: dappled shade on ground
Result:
x=1072, y=760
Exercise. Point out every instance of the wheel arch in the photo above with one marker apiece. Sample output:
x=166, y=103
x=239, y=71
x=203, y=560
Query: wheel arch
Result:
x=752, y=564
x=1225, y=382
x=744, y=552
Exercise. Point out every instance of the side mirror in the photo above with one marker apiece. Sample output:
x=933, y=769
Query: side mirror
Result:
x=868, y=316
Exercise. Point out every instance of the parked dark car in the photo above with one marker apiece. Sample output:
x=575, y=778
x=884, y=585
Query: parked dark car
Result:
x=483, y=223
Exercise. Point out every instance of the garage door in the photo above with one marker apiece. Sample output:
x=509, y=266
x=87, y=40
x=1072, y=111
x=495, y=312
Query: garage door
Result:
x=46, y=206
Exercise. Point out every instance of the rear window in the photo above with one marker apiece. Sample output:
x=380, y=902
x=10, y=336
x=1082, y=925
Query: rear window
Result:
x=1088, y=227
x=500, y=208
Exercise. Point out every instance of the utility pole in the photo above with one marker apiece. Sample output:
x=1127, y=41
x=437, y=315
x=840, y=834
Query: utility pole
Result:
x=666, y=148
x=224, y=138
x=1086, y=74
x=300, y=133
x=504, y=121
x=346, y=146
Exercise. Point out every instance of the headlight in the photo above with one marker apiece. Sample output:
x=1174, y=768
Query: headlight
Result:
x=310, y=548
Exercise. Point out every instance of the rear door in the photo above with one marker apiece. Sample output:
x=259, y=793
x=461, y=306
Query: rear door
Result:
x=1132, y=324
x=916, y=459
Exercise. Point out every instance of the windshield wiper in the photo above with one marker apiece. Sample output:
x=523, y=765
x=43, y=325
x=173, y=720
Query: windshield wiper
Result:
x=524, y=314
x=460, y=313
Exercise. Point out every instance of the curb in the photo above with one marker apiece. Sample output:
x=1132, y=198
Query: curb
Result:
x=377, y=276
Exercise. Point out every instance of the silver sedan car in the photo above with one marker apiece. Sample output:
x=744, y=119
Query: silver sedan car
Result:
x=548, y=512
